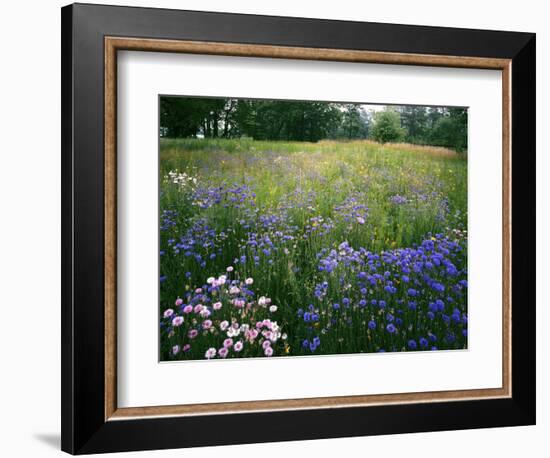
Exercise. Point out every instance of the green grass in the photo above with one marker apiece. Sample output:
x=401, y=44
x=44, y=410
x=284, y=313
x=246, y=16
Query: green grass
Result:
x=231, y=188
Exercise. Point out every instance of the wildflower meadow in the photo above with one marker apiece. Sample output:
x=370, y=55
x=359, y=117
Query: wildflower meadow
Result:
x=289, y=248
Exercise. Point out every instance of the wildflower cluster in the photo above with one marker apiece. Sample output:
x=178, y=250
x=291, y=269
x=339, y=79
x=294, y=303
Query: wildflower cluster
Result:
x=310, y=250
x=221, y=319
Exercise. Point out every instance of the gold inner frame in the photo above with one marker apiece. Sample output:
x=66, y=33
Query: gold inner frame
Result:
x=114, y=44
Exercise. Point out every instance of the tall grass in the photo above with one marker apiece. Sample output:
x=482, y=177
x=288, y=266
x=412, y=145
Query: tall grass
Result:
x=313, y=225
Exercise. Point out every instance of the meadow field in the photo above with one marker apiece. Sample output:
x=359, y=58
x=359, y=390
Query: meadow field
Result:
x=274, y=248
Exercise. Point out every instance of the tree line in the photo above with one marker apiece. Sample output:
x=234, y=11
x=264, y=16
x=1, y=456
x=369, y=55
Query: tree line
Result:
x=184, y=117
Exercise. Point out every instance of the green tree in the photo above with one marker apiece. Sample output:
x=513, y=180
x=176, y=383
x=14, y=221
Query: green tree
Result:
x=387, y=127
x=352, y=124
x=451, y=130
x=286, y=120
x=414, y=121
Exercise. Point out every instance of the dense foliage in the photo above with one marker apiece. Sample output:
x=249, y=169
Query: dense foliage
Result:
x=188, y=117
x=287, y=248
x=387, y=127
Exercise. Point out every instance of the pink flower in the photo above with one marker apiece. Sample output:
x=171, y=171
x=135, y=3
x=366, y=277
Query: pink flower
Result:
x=268, y=351
x=177, y=321
x=222, y=352
x=175, y=349
x=249, y=281
x=168, y=313
x=179, y=302
x=234, y=290
x=198, y=290
x=238, y=346
x=223, y=325
x=228, y=342
x=205, y=313
x=210, y=353
x=266, y=344
x=229, y=269
x=217, y=305
x=239, y=303
x=192, y=333
x=206, y=324
x=188, y=309
x=198, y=308
x=186, y=347
x=252, y=334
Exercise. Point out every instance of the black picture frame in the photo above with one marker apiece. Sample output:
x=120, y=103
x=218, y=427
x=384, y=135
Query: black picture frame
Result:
x=84, y=429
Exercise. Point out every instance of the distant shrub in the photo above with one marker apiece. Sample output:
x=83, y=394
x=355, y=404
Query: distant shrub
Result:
x=387, y=127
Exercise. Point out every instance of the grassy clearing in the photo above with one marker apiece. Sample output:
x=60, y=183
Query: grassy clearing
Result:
x=347, y=247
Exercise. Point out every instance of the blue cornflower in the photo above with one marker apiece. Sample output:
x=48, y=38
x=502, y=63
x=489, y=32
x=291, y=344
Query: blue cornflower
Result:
x=423, y=342
x=391, y=328
x=411, y=344
x=390, y=289
x=438, y=286
x=412, y=292
x=450, y=338
x=336, y=306
x=372, y=324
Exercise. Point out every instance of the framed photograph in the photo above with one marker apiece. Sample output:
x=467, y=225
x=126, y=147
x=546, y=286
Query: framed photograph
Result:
x=284, y=228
